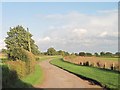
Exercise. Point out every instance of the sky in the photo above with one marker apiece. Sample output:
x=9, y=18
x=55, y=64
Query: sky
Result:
x=70, y=26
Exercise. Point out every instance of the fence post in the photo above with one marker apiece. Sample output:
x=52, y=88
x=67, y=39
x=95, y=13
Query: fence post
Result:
x=104, y=65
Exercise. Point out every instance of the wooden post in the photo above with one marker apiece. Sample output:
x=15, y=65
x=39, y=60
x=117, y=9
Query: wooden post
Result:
x=113, y=66
x=104, y=65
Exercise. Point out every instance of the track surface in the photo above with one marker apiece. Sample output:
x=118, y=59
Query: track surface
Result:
x=55, y=77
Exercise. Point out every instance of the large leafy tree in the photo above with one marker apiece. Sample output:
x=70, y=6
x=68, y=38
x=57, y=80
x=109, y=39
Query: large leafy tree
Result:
x=51, y=51
x=18, y=37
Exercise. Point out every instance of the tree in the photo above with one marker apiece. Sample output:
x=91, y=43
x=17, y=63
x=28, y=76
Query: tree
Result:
x=76, y=54
x=73, y=54
x=18, y=37
x=51, y=51
x=96, y=54
x=60, y=52
x=88, y=54
x=102, y=53
x=82, y=54
x=117, y=54
x=3, y=51
x=108, y=54
x=67, y=54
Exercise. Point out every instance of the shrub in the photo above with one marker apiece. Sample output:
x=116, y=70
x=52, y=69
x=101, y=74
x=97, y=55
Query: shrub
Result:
x=18, y=66
x=30, y=62
x=8, y=76
x=25, y=66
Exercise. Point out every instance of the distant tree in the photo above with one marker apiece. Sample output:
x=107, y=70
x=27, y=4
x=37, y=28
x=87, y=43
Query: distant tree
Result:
x=3, y=51
x=82, y=54
x=63, y=53
x=117, y=54
x=73, y=54
x=76, y=54
x=60, y=52
x=108, y=54
x=88, y=54
x=96, y=54
x=18, y=37
x=102, y=53
x=67, y=53
x=51, y=51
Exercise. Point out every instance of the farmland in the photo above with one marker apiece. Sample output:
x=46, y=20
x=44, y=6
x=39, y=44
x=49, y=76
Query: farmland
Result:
x=94, y=61
x=99, y=75
x=40, y=38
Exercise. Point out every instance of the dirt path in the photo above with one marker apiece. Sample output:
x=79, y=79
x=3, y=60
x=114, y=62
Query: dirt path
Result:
x=58, y=78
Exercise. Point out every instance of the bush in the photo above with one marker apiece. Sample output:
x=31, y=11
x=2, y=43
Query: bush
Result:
x=30, y=62
x=8, y=76
x=18, y=66
x=25, y=66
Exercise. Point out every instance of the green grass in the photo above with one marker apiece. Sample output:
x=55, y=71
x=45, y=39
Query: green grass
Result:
x=108, y=78
x=42, y=58
x=34, y=78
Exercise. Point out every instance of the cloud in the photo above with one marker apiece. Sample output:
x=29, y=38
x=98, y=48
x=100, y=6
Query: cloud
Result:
x=76, y=31
x=103, y=34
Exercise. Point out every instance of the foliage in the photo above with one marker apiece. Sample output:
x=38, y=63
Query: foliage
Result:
x=18, y=37
x=7, y=75
x=63, y=53
x=10, y=79
x=25, y=66
x=88, y=54
x=18, y=66
x=108, y=54
x=82, y=54
x=3, y=51
x=102, y=53
x=96, y=54
x=117, y=54
x=76, y=54
x=99, y=75
x=51, y=51
x=60, y=52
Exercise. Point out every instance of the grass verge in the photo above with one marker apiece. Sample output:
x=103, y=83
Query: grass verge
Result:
x=35, y=77
x=105, y=78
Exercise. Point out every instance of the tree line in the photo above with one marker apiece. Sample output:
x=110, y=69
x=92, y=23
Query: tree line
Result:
x=51, y=51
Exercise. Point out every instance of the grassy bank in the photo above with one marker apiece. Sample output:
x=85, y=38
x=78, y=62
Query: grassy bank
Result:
x=30, y=80
x=106, y=78
x=35, y=77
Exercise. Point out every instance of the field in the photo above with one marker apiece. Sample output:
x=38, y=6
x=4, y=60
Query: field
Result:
x=101, y=62
x=105, y=77
x=107, y=58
